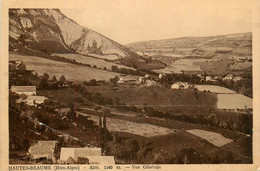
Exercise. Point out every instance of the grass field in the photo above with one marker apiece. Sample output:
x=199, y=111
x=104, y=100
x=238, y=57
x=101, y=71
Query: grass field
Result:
x=187, y=65
x=159, y=97
x=241, y=66
x=214, y=138
x=142, y=129
x=91, y=61
x=109, y=57
x=72, y=72
x=215, y=89
x=234, y=101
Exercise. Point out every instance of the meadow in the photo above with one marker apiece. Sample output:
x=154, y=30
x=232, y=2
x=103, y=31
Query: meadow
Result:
x=234, y=101
x=160, y=98
x=72, y=72
x=187, y=65
x=215, y=89
x=100, y=63
x=212, y=137
x=142, y=129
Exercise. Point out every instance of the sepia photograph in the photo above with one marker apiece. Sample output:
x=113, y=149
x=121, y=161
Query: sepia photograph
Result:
x=127, y=82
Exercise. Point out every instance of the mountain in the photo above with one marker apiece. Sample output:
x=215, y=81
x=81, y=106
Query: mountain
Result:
x=48, y=31
x=236, y=44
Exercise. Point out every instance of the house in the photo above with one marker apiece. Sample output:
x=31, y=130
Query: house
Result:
x=216, y=78
x=237, y=78
x=70, y=160
x=161, y=75
x=101, y=159
x=180, y=85
x=76, y=153
x=185, y=85
x=27, y=90
x=199, y=75
x=147, y=76
x=228, y=77
x=208, y=78
x=149, y=83
x=140, y=80
x=33, y=100
x=127, y=79
x=176, y=86
x=43, y=150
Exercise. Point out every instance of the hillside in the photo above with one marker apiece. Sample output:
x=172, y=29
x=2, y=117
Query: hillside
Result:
x=236, y=44
x=49, y=31
x=55, y=68
x=216, y=54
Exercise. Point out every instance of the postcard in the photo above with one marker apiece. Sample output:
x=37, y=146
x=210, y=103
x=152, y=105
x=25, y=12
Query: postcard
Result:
x=130, y=85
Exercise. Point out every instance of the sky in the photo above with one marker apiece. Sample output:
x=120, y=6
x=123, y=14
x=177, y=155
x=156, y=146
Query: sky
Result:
x=127, y=21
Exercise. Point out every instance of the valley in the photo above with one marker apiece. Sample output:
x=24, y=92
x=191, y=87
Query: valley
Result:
x=175, y=101
x=216, y=55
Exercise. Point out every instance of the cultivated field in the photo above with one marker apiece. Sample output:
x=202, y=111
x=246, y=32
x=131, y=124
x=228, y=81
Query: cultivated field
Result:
x=234, y=101
x=214, y=138
x=241, y=66
x=118, y=125
x=70, y=71
x=187, y=65
x=109, y=57
x=215, y=89
x=91, y=61
x=160, y=98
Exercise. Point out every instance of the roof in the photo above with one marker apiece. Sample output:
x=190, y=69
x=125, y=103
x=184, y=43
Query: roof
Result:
x=129, y=78
x=82, y=152
x=101, y=159
x=70, y=160
x=177, y=83
x=79, y=152
x=23, y=88
x=229, y=75
x=181, y=83
x=42, y=149
x=37, y=98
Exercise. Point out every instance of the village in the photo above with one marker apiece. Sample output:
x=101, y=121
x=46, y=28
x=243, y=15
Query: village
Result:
x=115, y=118
x=49, y=151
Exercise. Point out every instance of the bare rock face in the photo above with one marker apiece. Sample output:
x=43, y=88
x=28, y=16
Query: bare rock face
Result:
x=48, y=30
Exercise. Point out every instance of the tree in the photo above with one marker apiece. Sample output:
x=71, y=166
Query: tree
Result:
x=53, y=79
x=62, y=80
x=46, y=76
x=44, y=82
x=93, y=82
x=71, y=114
x=21, y=68
x=114, y=68
x=114, y=80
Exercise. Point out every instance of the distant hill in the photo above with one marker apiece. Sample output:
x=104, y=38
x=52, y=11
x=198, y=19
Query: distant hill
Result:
x=237, y=44
x=217, y=55
x=50, y=31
